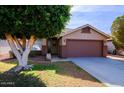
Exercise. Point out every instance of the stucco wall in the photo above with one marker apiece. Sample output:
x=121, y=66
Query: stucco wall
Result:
x=4, y=47
x=44, y=42
x=44, y=46
x=85, y=36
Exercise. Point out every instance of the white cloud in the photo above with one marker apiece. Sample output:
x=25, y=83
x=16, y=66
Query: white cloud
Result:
x=96, y=8
x=82, y=8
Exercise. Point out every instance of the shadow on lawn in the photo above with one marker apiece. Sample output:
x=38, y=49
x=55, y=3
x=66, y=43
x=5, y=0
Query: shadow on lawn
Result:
x=61, y=68
x=20, y=80
x=66, y=69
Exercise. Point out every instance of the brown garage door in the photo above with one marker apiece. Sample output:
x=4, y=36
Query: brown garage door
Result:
x=85, y=48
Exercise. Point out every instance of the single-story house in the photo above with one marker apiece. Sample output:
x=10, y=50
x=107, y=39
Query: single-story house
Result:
x=84, y=41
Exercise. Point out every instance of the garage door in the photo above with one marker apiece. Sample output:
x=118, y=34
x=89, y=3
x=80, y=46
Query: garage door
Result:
x=84, y=48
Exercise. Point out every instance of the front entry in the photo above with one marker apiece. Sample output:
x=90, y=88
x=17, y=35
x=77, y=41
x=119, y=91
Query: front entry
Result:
x=53, y=45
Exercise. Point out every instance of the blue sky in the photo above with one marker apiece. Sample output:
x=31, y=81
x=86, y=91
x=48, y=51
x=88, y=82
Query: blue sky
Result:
x=99, y=16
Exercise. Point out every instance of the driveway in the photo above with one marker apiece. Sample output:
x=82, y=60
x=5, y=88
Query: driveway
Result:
x=108, y=71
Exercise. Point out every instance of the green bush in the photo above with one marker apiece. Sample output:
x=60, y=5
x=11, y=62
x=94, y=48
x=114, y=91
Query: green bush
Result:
x=117, y=30
x=35, y=53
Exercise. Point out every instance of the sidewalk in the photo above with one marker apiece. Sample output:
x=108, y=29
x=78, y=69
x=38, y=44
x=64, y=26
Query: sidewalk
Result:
x=116, y=57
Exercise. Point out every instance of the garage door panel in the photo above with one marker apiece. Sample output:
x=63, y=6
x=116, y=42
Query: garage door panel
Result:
x=78, y=48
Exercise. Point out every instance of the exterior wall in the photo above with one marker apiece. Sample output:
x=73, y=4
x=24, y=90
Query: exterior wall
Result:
x=4, y=50
x=4, y=47
x=85, y=36
x=105, y=51
x=44, y=46
x=78, y=35
x=44, y=42
x=44, y=50
x=63, y=52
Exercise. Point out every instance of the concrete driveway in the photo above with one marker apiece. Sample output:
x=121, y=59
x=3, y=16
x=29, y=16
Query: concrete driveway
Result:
x=108, y=71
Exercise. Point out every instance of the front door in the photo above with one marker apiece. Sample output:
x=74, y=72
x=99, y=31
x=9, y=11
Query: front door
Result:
x=54, y=46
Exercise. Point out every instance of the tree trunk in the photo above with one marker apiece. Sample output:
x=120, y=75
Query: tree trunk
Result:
x=13, y=47
x=23, y=40
x=23, y=56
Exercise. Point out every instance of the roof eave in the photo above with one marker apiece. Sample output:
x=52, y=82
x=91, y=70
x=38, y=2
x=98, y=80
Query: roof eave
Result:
x=99, y=31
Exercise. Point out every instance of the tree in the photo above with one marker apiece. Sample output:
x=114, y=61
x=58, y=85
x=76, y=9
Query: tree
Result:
x=117, y=29
x=22, y=25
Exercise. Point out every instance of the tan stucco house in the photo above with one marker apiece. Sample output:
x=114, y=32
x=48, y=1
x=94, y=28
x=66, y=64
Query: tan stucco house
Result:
x=84, y=41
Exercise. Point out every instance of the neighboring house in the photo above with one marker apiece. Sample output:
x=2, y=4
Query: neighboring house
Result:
x=84, y=41
x=110, y=46
x=5, y=48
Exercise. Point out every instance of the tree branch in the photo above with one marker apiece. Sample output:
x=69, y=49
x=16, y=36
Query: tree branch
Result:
x=23, y=40
x=31, y=41
x=28, y=49
x=13, y=46
x=18, y=44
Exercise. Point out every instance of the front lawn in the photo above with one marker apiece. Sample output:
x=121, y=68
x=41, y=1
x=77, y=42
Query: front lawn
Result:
x=59, y=74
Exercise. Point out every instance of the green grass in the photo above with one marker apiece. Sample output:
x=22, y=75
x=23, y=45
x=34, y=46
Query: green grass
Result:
x=53, y=74
x=24, y=79
x=4, y=66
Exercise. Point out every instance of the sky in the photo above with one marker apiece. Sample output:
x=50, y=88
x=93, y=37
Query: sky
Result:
x=99, y=16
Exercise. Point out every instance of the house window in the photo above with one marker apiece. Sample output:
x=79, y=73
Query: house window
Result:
x=85, y=30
